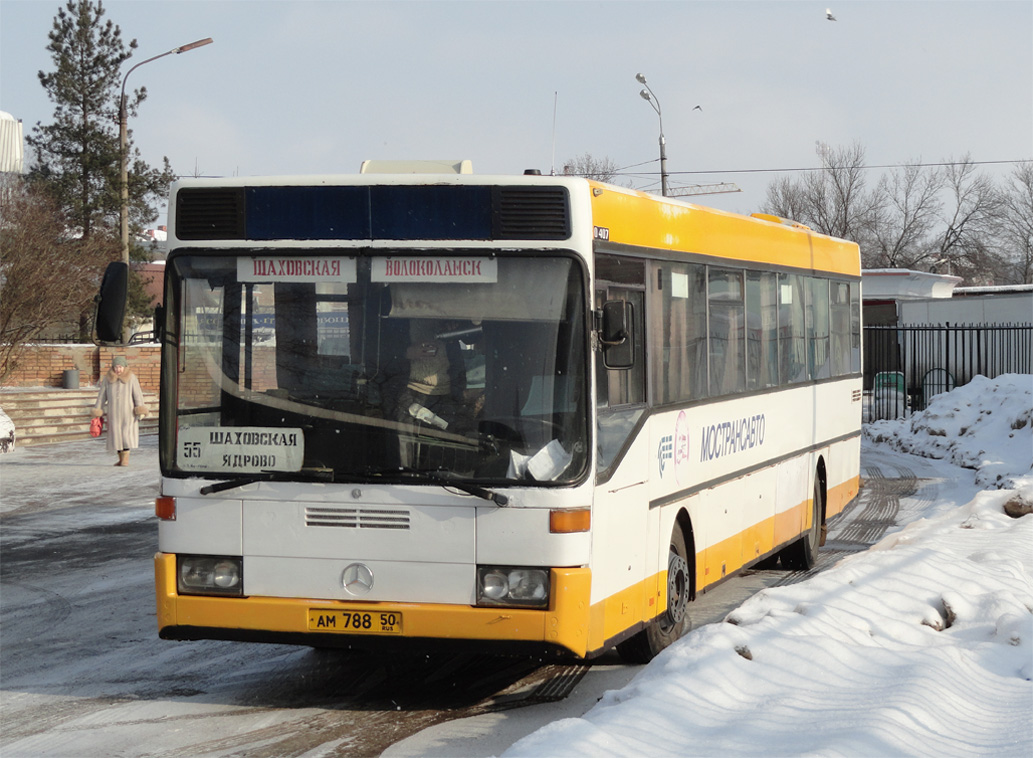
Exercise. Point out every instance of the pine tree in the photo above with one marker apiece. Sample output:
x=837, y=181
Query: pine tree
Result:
x=78, y=154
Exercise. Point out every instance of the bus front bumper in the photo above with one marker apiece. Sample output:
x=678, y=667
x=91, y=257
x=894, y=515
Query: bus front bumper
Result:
x=562, y=628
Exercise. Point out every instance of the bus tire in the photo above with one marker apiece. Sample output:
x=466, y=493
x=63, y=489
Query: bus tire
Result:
x=673, y=622
x=802, y=555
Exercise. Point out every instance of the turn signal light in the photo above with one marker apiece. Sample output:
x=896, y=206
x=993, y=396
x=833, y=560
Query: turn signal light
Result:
x=570, y=521
x=165, y=508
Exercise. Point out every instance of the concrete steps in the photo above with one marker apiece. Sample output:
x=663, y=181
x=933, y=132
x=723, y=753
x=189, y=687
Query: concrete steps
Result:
x=46, y=415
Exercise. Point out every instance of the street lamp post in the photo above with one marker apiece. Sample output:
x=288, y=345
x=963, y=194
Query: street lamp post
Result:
x=124, y=209
x=649, y=96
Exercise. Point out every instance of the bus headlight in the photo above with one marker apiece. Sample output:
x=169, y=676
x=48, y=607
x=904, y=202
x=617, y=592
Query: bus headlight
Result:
x=210, y=575
x=513, y=586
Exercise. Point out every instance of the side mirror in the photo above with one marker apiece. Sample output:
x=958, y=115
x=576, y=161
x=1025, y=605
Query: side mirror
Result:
x=618, y=334
x=111, y=303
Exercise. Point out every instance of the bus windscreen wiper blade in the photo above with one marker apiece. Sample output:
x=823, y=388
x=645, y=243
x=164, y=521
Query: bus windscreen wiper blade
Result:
x=444, y=479
x=476, y=490
x=269, y=476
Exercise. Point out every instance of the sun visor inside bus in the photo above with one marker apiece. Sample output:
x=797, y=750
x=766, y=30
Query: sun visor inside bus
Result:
x=398, y=212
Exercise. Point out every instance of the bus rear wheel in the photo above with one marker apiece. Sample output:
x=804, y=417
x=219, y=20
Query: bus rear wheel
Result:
x=673, y=622
x=802, y=555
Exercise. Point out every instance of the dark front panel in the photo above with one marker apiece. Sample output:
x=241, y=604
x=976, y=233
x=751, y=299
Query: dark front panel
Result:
x=308, y=213
x=389, y=212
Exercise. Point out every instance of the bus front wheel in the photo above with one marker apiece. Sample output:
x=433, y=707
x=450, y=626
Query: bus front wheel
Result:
x=673, y=622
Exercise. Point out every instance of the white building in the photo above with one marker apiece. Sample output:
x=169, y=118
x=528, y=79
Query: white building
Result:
x=904, y=297
x=12, y=151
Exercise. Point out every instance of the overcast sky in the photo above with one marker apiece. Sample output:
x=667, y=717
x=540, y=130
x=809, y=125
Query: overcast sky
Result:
x=317, y=87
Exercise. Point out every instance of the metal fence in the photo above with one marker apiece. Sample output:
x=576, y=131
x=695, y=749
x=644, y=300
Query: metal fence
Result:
x=906, y=366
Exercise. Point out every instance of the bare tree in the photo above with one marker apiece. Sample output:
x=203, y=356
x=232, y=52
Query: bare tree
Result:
x=973, y=211
x=590, y=167
x=786, y=198
x=904, y=235
x=951, y=219
x=47, y=278
x=1017, y=223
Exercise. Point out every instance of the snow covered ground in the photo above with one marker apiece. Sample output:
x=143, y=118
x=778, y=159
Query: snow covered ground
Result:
x=922, y=645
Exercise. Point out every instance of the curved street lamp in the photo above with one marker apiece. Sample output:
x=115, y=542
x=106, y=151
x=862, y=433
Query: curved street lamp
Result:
x=648, y=95
x=124, y=209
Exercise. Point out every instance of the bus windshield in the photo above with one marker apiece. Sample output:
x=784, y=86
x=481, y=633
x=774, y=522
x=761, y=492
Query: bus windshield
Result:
x=315, y=364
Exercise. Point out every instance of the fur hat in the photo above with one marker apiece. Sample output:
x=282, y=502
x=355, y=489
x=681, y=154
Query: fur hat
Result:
x=118, y=360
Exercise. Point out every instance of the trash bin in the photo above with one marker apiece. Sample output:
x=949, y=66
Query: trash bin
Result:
x=70, y=379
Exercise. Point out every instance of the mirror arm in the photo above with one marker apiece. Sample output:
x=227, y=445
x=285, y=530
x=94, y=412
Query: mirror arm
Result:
x=623, y=338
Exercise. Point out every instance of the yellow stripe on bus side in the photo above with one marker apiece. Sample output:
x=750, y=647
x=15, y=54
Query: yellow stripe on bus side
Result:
x=566, y=623
x=839, y=497
x=639, y=603
x=728, y=556
x=642, y=220
x=644, y=601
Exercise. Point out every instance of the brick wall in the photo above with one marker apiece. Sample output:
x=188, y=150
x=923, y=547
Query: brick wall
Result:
x=44, y=365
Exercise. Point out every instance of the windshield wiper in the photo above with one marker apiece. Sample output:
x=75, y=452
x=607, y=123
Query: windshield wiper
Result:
x=440, y=478
x=443, y=478
x=312, y=475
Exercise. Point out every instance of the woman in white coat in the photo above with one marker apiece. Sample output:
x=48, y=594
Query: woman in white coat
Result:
x=121, y=398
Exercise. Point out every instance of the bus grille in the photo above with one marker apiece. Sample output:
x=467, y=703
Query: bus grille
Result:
x=532, y=213
x=210, y=214
x=356, y=518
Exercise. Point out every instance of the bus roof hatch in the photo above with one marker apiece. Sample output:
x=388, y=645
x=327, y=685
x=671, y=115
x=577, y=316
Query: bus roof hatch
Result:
x=417, y=167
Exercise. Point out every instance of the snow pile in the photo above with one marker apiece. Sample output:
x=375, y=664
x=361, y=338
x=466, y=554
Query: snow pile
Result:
x=921, y=645
x=986, y=425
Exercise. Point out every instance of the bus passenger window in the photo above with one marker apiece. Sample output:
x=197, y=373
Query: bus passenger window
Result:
x=818, y=329
x=855, y=328
x=839, y=314
x=727, y=332
x=792, y=336
x=761, y=330
x=680, y=363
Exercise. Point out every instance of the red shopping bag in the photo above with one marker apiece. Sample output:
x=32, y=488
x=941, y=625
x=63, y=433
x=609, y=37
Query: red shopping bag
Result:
x=97, y=426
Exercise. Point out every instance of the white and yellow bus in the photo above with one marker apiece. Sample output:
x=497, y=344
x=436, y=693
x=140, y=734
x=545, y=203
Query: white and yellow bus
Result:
x=540, y=414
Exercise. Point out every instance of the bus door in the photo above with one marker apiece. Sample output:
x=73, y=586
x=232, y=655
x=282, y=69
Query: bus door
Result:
x=625, y=533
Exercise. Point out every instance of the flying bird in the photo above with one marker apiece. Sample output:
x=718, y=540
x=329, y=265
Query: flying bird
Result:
x=828, y=14
x=698, y=108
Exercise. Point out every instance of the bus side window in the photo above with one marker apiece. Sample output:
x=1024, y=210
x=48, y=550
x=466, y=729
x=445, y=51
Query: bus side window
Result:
x=679, y=322
x=792, y=334
x=727, y=332
x=839, y=317
x=818, y=329
x=761, y=330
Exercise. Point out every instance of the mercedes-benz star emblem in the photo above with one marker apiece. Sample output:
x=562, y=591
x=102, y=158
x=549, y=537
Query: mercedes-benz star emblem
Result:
x=357, y=579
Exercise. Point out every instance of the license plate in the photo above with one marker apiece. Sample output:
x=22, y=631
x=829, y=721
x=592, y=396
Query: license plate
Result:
x=354, y=621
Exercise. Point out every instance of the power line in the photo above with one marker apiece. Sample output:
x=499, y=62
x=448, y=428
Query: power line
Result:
x=831, y=168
